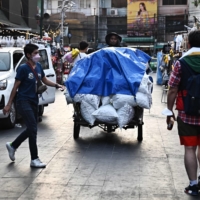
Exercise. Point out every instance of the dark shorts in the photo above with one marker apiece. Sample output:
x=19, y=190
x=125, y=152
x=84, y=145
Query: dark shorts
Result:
x=189, y=134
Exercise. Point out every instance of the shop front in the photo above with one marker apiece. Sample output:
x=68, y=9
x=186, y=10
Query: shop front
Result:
x=145, y=44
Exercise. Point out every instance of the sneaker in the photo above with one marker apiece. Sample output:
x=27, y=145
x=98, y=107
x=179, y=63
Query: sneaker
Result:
x=37, y=163
x=192, y=190
x=11, y=151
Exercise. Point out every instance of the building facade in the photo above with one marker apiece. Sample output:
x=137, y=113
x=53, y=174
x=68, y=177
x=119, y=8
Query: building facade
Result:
x=111, y=16
x=194, y=10
x=21, y=16
x=91, y=20
x=172, y=16
x=88, y=7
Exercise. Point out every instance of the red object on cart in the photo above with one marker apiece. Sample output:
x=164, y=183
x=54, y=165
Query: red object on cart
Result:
x=46, y=38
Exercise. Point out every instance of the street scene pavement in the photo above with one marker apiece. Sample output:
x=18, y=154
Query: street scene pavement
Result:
x=99, y=165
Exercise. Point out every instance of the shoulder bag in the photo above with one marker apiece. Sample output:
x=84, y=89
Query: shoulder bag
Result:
x=40, y=86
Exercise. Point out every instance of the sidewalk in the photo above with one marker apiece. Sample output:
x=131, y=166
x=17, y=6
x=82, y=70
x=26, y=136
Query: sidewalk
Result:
x=99, y=165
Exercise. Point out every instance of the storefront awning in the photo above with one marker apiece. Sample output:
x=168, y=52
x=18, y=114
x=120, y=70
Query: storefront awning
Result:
x=9, y=25
x=159, y=46
x=140, y=46
x=138, y=39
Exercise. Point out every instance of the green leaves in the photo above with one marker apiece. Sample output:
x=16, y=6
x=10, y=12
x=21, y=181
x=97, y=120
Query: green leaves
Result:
x=196, y=2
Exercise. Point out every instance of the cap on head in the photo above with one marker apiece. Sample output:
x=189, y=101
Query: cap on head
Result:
x=107, y=38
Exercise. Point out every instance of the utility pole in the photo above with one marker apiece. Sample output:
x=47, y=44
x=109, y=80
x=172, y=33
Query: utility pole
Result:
x=62, y=21
x=66, y=5
x=41, y=17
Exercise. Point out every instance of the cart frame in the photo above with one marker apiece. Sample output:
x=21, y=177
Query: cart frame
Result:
x=137, y=121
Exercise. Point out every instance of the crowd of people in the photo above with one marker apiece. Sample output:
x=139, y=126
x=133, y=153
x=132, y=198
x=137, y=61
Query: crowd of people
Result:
x=25, y=92
x=188, y=124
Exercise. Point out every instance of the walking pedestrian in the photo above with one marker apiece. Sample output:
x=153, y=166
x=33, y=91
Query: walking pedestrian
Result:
x=175, y=43
x=83, y=47
x=27, y=102
x=188, y=125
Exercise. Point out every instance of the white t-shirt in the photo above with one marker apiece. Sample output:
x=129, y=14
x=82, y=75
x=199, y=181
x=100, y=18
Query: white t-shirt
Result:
x=80, y=56
x=179, y=39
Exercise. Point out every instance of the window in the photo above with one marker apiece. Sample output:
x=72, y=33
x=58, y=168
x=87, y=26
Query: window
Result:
x=174, y=23
x=119, y=3
x=4, y=61
x=49, y=4
x=16, y=58
x=104, y=11
x=44, y=59
x=24, y=60
x=85, y=3
x=174, y=2
x=59, y=3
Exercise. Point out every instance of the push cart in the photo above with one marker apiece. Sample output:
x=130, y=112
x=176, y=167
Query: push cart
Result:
x=137, y=121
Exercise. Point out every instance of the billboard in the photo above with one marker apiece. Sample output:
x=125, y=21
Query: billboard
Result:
x=141, y=18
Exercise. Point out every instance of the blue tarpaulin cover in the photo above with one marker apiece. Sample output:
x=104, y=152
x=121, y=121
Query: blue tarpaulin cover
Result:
x=111, y=70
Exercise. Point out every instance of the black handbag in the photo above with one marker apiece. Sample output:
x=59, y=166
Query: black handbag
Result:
x=40, y=86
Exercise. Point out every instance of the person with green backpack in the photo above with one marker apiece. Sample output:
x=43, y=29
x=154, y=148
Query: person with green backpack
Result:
x=184, y=88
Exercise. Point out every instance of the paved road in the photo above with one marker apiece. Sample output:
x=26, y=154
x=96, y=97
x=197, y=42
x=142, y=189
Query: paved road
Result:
x=98, y=166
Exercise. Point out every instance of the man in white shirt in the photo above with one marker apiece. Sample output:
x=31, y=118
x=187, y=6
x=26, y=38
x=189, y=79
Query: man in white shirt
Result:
x=179, y=39
x=83, y=47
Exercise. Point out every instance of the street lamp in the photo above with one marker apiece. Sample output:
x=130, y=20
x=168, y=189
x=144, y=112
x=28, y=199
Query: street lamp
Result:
x=66, y=5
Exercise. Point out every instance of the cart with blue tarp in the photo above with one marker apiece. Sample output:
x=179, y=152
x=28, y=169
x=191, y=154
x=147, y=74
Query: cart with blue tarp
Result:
x=108, y=72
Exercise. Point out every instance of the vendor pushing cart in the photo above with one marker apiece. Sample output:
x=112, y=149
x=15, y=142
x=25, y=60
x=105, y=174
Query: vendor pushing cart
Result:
x=110, y=88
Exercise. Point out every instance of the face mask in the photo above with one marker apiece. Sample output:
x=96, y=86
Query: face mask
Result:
x=36, y=58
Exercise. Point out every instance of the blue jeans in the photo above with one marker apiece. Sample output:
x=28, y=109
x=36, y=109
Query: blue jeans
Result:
x=29, y=113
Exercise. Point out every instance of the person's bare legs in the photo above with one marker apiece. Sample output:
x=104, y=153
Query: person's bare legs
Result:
x=190, y=160
x=198, y=154
x=198, y=157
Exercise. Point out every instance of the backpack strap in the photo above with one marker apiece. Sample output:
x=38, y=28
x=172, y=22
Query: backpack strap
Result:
x=36, y=76
x=192, y=72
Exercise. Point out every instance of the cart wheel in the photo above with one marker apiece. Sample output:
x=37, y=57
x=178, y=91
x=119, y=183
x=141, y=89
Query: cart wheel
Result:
x=140, y=137
x=76, y=130
x=109, y=128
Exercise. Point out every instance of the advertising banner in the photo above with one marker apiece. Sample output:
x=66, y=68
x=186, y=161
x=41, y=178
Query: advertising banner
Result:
x=141, y=18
